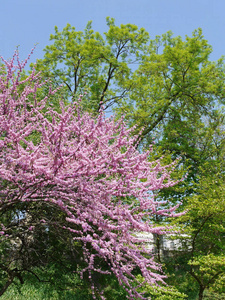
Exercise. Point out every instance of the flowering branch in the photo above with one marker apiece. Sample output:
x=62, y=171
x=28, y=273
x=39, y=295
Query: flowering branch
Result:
x=90, y=170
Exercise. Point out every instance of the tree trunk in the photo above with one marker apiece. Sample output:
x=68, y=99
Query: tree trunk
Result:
x=157, y=242
x=5, y=287
x=201, y=290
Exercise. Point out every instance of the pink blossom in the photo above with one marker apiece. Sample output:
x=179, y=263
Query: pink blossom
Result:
x=87, y=167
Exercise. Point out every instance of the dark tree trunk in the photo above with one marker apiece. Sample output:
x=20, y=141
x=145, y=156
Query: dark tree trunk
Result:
x=201, y=290
x=5, y=287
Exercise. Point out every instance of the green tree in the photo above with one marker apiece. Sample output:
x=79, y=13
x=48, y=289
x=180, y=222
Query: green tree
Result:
x=203, y=258
x=85, y=62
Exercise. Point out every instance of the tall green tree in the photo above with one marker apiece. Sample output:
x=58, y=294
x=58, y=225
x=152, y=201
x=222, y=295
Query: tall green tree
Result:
x=85, y=62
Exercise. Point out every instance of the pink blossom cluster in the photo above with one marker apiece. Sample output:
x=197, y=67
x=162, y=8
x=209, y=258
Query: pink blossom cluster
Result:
x=89, y=168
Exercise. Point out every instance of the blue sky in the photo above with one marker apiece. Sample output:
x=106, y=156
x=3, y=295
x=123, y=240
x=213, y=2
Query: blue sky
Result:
x=28, y=22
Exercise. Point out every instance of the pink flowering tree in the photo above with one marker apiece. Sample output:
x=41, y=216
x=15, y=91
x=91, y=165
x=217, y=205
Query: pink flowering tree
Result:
x=84, y=168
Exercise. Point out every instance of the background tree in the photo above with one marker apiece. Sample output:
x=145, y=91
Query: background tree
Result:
x=87, y=62
x=202, y=259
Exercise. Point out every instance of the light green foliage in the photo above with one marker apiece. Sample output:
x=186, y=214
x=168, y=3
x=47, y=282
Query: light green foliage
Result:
x=209, y=269
x=175, y=79
x=174, y=91
x=203, y=258
x=87, y=62
x=162, y=293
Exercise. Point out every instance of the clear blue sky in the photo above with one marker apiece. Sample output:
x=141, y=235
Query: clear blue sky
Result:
x=28, y=22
